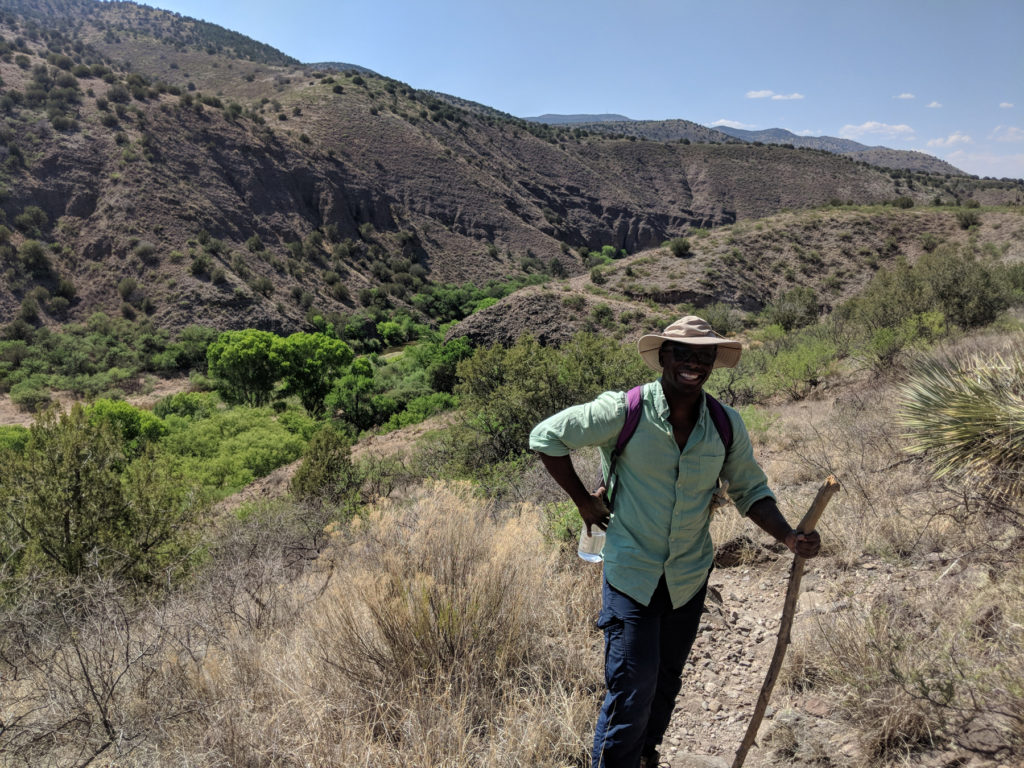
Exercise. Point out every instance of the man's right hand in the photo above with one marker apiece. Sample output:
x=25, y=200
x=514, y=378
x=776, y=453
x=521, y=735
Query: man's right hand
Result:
x=594, y=511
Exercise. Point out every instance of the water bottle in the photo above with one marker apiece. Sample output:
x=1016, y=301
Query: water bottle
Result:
x=591, y=547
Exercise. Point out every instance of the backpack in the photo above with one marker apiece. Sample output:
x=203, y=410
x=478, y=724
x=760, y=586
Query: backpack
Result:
x=634, y=409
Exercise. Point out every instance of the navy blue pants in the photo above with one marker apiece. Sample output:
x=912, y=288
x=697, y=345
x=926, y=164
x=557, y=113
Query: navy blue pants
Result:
x=645, y=649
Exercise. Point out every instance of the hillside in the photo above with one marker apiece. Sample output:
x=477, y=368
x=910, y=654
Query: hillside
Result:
x=157, y=166
x=746, y=266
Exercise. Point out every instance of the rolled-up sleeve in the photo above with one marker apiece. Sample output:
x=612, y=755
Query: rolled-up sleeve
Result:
x=595, y=423
x=747, y=481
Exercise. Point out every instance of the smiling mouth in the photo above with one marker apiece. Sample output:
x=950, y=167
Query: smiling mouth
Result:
x=690, y=376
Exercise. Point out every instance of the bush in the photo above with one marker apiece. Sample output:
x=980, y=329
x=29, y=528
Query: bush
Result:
x=135, y=427
x=327, y=475
x=80, y=507
x=31, y=394
x=194, y=405
x=967, y=219
x=508, y=391
x=967, y=418
x=420, y=409
x=680, y=247
x=795, y=308
x=231, y=448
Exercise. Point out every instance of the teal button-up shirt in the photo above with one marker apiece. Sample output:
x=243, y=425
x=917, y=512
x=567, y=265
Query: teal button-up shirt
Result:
x=661, y=519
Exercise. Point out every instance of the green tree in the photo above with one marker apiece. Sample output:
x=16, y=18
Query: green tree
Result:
x=310, y=362
x=327, y=474
x=73, y=503
x=245, y=366
x=135, y=427
x=353, y=395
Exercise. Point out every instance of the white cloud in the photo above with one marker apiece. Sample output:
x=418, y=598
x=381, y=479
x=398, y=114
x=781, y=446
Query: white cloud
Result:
x=807, y=132
x=774, y=96
x=951, y=141
x=987, y=164
x=905, y=96
x=1006, y=105
x=934, y=105
x=734, y=124
x=873, y=128
x=1007, y=133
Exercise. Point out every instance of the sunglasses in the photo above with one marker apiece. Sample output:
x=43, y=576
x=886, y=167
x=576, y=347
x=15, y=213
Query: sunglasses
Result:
x=682, y=353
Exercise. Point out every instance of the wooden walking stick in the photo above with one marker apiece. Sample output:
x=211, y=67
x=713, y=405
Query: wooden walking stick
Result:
x=829, y=487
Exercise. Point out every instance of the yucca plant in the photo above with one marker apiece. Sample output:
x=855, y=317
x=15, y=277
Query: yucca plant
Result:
x=968, y=418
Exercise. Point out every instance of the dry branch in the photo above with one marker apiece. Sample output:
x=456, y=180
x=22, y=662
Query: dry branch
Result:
x=809, y=522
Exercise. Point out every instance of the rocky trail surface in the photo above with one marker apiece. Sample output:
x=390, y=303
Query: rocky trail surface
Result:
x=730, y=658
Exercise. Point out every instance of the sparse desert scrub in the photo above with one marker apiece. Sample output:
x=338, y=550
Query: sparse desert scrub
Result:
x=942, y=666
x=930, y=656
x=428, y=633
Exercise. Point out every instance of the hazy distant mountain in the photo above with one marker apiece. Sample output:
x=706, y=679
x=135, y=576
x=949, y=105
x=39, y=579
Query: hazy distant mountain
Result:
x=571, y=119
x=782, y=136
x=883, y=156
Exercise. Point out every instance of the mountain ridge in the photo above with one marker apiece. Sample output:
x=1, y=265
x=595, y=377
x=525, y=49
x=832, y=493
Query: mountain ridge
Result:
x=218, y=188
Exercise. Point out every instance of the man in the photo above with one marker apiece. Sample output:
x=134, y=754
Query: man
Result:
x=658, y=552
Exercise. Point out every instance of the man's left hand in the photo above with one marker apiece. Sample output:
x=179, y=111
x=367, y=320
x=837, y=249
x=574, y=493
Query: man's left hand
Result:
x=803, y=544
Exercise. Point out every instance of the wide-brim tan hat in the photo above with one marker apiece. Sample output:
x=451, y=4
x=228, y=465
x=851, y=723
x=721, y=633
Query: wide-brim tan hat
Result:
x=690, y=330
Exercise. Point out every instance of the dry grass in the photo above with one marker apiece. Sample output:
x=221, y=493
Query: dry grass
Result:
x=445, y=637
x=933, y=667
x=924, y=650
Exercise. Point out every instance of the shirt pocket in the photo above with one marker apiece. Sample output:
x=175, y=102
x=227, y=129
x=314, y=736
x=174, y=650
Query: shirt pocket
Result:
x=705, y=468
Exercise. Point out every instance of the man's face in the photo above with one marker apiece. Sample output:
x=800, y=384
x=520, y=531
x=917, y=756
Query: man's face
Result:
x=685, y=367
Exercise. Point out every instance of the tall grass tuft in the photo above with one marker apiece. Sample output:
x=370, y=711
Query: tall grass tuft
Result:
x=967, y=417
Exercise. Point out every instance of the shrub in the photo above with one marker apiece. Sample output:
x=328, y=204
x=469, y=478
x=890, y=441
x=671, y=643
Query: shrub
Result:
x=420, y=409
x=232, y=447
x=81, y=508
x=199, y=405
x=508, y=391
x=127, y=287
x=680, y=247
x=134, y=426
x=32, y=221
x=795, y=308
x=327, y=475
x=967, y=219
x=201, y=265
x=31, y=394
x=967, y=417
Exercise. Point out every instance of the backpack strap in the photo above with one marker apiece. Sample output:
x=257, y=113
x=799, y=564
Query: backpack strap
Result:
x=721, y=420
x=634, y=400
x=634, y=409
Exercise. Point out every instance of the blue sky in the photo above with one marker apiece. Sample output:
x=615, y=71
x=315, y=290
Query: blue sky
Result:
x=944, y=77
